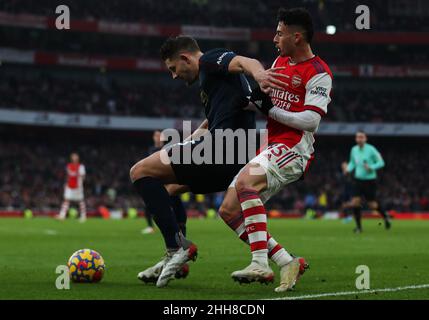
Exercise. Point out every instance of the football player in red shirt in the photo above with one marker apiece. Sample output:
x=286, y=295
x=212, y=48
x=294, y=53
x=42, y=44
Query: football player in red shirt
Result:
x=73, y=189
x=293, y=116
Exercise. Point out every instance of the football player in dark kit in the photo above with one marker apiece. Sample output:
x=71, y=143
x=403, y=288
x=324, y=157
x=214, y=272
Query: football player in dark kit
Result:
x=225, y=92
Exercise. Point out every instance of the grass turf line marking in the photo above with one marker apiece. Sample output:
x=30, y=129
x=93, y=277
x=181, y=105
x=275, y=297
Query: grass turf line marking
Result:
x=347, y=293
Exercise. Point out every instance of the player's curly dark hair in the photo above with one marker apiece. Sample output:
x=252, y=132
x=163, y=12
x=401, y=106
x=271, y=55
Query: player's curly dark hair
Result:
x=297, y=17
x=175, y=45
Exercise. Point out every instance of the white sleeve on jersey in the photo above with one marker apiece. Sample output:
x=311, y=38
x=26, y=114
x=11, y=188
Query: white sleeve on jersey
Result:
x=82, y=171
x=318, y=89
x=306, y=120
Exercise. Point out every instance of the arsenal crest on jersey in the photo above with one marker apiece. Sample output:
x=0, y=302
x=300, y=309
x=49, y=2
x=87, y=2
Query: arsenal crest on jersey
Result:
x=296, y=80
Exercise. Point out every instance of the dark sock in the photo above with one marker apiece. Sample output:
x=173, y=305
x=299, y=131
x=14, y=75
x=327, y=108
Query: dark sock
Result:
x=149, y=218
x=382, y=212
x=180, y=213
x=157, y=201
x=358, y=217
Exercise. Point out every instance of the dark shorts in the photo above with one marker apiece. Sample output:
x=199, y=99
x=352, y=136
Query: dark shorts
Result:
x=366, y=189
x=203, y=178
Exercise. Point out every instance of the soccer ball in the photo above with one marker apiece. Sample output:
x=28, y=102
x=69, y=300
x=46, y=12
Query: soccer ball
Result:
x=86, y=265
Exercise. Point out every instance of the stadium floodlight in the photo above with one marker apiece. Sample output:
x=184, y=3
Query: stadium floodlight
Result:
x=331, y=29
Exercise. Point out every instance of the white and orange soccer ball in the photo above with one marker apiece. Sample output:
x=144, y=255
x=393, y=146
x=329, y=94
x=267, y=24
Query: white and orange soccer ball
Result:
x=86, y=265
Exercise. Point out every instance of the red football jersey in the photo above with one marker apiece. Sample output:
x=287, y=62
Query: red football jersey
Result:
x=308, y=87
x=75, y=172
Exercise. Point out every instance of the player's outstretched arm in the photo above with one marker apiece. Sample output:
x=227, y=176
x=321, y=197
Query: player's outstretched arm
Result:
x=266, y=79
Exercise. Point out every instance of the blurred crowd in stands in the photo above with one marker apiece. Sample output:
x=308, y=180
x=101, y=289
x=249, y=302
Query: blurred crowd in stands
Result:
x=150, y=99
x=112, y=45
x=162, y=99
x=385, y=15
x=33, y=176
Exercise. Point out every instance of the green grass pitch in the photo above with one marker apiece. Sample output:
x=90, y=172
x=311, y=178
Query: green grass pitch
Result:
x=30, y=250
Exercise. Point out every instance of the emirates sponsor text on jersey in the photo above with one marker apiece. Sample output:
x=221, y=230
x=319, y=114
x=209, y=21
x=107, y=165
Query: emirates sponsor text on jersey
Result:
x=283, y=98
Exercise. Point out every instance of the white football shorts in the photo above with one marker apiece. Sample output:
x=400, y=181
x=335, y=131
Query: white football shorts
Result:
x=73, y=194
x=281, y=165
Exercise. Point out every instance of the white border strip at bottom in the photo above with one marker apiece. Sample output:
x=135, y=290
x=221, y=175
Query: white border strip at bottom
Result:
x=347, y=293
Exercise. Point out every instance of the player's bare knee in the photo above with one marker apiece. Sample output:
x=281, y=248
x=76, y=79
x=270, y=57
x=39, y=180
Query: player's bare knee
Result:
x=253, y=177
x=176, y=189
x=137, y=171
x=227, y=212
x=242, y=184
x=224, y=213
x=133, y=173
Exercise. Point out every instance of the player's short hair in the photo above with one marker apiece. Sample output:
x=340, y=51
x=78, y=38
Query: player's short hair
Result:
x=176, y=45
x=297, y=17
x=361, y=131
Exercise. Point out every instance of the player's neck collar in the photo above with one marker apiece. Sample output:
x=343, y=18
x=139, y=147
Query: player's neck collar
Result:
x=292, y=63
